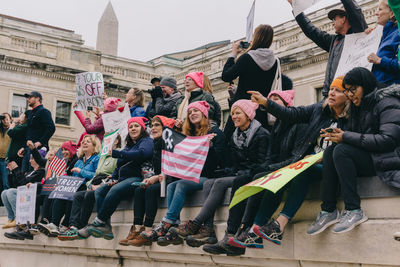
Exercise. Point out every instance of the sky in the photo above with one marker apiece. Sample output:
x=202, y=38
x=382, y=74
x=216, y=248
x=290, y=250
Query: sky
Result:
x=152, y=28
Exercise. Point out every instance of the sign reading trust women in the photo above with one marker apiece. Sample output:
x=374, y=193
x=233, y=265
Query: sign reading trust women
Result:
x=89, y=90
x=66, y=187
x=275, y=180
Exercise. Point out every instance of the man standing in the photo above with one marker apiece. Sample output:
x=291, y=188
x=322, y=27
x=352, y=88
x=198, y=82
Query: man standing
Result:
x=347, y=21
x=40, y=125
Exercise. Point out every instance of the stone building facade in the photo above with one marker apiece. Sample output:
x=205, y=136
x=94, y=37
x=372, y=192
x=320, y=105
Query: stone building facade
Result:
x=45, y=58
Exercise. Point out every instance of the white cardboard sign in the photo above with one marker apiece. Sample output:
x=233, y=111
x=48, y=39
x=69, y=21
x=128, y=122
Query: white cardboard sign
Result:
x=89, y=90
x=301, y=5
x=26, y=204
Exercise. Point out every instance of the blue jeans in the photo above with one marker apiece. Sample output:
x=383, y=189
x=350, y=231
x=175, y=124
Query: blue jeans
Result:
x=108, y=197
x=176, y=196
x=9, y=198
x=26, y=166
x=4, y=174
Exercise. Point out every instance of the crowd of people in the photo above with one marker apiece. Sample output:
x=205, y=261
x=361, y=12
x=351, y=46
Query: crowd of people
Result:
x=355, y=126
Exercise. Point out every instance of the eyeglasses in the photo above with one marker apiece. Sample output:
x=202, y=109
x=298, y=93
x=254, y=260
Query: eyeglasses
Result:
x=350, y=90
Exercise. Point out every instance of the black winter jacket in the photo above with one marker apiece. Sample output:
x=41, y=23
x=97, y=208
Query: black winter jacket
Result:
x=40, y=126
x=215, y=153
x=375, y=127
x=317, y=116
x=18, y=178
x=333, y=43
x=164, y=106
x=251, y=160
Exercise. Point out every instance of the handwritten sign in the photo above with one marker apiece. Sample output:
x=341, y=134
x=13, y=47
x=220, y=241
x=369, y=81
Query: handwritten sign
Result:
x=117, y=120
x=274, y=180
x=356, y=49
x=89, y=90
x=108, y=142
x=49, y=183
x=66, y=187
x=26, y=201
x=301, y=5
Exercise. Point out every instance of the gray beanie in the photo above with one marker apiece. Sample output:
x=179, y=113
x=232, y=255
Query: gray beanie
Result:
x=168, y=81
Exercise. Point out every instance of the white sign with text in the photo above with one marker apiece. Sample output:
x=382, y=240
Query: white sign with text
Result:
x=89, y=90
x=26, y=204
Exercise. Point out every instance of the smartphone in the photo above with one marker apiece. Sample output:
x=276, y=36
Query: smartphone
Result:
x=244, y=45
x=138, y=184
x=90, y=108
x=329, y=130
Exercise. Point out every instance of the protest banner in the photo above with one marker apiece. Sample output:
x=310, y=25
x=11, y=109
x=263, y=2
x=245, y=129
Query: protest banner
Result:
x=26, y=204
x=356, y=49
x=89, y=90
x=274, y=180
x=117, y=120
x=108, y=142
x=301, y=5
x=250, y=22
x=49, y=183
x=66, y=187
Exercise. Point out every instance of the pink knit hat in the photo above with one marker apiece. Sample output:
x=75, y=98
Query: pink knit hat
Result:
x=138, y=120
x=197, y=77
x=248, y=107
x=286, y=96
x=203, y=106
x=111, y=104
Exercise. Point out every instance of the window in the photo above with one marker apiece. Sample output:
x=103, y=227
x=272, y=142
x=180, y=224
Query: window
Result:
x=19, y=105
x=318, y=93
x=63, y=112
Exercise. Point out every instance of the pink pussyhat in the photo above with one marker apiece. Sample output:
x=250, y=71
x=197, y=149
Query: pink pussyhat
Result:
x=203, y=106
x=197, y=77
x=111, y=104
x=139, y=120
x=248, y=107
x=286, y=96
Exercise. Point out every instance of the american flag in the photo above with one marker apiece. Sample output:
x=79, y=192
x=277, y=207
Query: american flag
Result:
x=184, y=157
x=58, y=164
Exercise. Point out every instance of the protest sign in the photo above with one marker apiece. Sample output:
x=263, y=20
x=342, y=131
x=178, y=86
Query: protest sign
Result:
x=89, y=90
x=49, y=184
x=274, y=180
x=108, y=142
x=26, y=201
x=301, y=5
x=117, y=120
x=66, y=187
x=356, y=49
x=250, y=22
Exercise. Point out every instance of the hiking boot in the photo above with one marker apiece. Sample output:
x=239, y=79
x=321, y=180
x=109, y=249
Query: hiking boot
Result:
x=396, y=236
x=131, y=235
x=246, y=239
x=100, y=229
x=323, y=221
x=160, y=230
x=170, y=238
x=270, y=231
x=188, y=228
x=10, y=224
x=83, y=233
x=139, y=241
x=69, y=235
x=205, y=235
x=222, y=247
x=349, y=220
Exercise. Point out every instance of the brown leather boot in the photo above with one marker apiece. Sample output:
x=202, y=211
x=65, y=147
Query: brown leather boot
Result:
x=139, y=241
x=132, y=234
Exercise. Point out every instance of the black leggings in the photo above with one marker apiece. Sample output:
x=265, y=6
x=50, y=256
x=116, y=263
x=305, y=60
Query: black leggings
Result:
x=82, y=207
x=146, y=203
x=342, y=164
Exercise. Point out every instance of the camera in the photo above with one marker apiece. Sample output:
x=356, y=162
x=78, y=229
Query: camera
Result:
x=90, y=108
x=2, y=117
x=244, y=45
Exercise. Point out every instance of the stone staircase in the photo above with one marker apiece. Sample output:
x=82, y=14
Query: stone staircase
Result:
x=369, y=245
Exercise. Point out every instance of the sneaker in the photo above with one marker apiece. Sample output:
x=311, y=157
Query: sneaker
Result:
x=62, y=229
x=246, y=239
x=323, y=221
x=69, y=235
x=83, y=233
x=49, y=229
x=188, y=228
x=160, y=230
x=205, y=235
x=349, y=220
x=170, y=238
x=100, y=229
x=131, y=235
x=222, y=247
x=10, y=224
x=271, y=231
x=33, y=229
x=396, y=236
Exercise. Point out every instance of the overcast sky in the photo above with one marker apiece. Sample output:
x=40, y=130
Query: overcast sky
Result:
x=151, y=28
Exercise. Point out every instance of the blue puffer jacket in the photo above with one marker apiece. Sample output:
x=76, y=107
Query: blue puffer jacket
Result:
x=130, y=159
x=137, y=111
x=88, y=168
x=388, y=71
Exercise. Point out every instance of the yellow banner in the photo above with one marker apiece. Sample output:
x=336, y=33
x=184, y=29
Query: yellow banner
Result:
x=274, y=180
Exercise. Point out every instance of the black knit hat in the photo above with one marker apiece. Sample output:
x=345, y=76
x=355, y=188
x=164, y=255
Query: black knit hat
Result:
x=361, y=77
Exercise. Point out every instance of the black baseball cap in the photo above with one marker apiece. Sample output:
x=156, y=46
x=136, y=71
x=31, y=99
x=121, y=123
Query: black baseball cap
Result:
x=34, y=94
x=155, y=79
x=336, y=12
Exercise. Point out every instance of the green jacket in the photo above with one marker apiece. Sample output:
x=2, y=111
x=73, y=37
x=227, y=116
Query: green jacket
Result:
x=106, y=165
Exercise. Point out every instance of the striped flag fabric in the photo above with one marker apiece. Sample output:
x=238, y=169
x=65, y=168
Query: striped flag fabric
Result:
x=184, y=156
x=58, y=164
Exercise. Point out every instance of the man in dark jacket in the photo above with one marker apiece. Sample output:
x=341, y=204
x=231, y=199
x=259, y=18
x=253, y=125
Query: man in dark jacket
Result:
x=347, y=21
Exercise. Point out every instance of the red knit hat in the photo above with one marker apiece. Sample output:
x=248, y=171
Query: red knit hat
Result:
x=197, y=77
x=203, y=106
x=286, y=96
x=168, y=122
x=111, y=104
x=248, y=107
x=138, y=120
x=70, y=146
